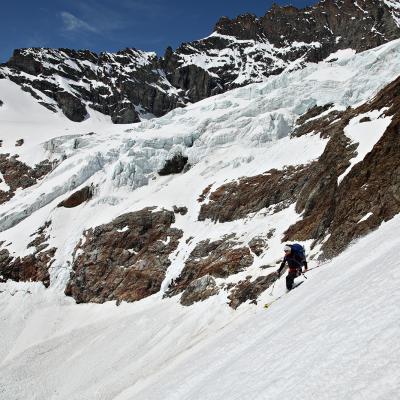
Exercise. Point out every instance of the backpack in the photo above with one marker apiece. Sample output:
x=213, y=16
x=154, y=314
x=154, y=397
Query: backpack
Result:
x=299, y=250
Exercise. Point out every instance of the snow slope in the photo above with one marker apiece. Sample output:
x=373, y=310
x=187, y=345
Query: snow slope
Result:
x=334, y=337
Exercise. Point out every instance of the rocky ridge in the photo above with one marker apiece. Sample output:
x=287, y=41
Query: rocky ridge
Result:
x=131, y=84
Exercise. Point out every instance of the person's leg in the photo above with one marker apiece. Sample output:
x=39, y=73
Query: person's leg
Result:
x=289, y=281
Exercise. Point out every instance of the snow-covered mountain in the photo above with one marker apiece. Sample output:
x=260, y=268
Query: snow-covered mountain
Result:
x=176, y=224
x=110, y=213
x=133, y=85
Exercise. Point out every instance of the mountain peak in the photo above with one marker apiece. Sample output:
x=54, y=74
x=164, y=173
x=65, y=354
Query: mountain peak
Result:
x=131, y=84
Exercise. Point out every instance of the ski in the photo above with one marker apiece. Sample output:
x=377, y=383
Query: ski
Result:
x=267, y=305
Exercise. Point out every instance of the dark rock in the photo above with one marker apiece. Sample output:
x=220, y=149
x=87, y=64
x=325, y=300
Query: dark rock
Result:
x=1, y=103
x=258, y=245
x=78, y=197
x=365, y=119
x=328, y=20
x=319, y=125
x=71, y=106
x=267, y=266
x=199, y=290
x=125, y=114
x=50, y=107
x=247, y=290
x=237, y=199
x=19, y=175
x=313, y=112
x=219, y=259
x=197, y=83
x=19, y=142
x=205, y=193
x=26, y=62
x=30, y=268
x=33, y=267
x=124, y=260
x=174, y=166
x=180, y=210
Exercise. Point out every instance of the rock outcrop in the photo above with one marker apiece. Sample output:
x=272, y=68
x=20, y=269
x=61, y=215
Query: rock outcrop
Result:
x=71, y=106
x=258, y=245
x=175, y=165
x=77, y=198
x=33, y=267
x=235, y=200
x=219, y=259
x=199, y=290
x=17, y=175
x=250, y=290
x=124, y=260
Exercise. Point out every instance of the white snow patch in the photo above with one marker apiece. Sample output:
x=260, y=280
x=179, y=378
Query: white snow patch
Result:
x=3, y=185
x=365, y=217
x=366, y=134
x=332, y=73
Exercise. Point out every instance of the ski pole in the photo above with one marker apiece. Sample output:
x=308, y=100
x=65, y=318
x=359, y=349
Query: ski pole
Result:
x=273, y=285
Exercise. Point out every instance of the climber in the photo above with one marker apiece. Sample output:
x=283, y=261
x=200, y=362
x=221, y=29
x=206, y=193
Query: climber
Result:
x=296, y=259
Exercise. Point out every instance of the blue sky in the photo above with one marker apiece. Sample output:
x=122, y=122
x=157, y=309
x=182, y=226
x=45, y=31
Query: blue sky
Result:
x=111, y=25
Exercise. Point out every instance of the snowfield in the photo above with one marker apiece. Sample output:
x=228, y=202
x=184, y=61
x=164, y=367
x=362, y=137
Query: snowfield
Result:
x=334, y=337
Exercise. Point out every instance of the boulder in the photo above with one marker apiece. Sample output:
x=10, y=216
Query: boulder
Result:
x=180, y=210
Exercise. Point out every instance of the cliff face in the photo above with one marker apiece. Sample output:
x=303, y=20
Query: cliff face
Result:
x=124, y=85
x=130, y=84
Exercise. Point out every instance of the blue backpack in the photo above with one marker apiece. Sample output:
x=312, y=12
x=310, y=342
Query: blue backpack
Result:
x=299, y=250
